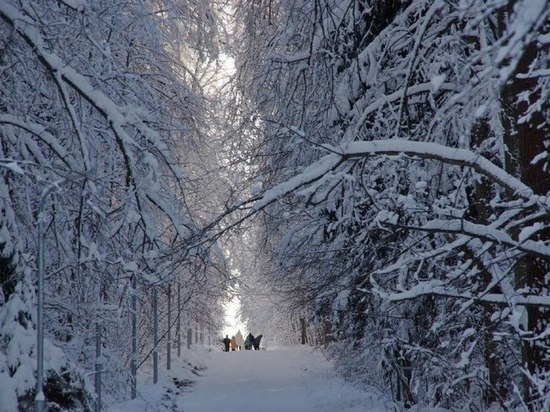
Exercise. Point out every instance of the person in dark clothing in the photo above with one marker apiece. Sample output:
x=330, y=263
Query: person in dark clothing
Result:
x=256, y=342
x=249, y=341
x=226, y=341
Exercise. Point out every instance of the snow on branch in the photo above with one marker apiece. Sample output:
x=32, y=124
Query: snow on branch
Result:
x=427, y=87
x=310, y=174
x=484, y=232
x=119, y=117
x=41, y=133
x=314, y=173
x=11, y=165
x=526, y=24
x=437, y=288
x=423, y=150
x=455, y=156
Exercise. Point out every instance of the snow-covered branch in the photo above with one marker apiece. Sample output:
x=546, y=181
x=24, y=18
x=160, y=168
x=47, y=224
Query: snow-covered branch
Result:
x=395, y=147
x=119, y=118
x=309, y=175
x=438, y=288
x=449, y=155
x=42, y=134
x=484, y=232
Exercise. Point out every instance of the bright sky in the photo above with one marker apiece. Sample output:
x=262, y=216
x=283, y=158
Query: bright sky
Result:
x=232, y=318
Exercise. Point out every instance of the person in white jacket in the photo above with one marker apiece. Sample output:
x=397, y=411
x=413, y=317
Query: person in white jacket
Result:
x=240, y=340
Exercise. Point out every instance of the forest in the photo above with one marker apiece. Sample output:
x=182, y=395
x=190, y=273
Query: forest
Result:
x=370, y=177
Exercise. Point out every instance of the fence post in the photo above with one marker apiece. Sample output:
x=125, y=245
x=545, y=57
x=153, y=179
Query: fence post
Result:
x=40, y=399
x=178, y=326
x=303, y=330
x=169, y=335
x=133, y=361
x=155, y=337
x=98, y=364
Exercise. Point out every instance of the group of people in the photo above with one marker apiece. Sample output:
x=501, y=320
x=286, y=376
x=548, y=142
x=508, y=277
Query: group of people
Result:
x=236, y=342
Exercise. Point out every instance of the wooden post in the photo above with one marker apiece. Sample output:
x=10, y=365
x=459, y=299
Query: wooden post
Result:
x=303, y=330
x=169, y=335
x=155, y=338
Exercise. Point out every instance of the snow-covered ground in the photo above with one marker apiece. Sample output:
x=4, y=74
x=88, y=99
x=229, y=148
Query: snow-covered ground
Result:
x=287, y=379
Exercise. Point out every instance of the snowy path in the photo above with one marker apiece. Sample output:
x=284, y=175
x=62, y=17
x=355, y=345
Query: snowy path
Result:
x=279, y=380
x=292, y=379
x=251, y=380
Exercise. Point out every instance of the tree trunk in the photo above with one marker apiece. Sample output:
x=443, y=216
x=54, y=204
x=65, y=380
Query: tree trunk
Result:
x=524, y=140
x=479, y=211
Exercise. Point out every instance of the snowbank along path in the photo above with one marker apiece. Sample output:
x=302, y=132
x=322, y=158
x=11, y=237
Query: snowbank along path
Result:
x=295, y=379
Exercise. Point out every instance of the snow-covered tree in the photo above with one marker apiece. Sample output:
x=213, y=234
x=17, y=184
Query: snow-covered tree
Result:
x=98, y=112
x=404, y=156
